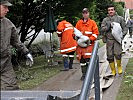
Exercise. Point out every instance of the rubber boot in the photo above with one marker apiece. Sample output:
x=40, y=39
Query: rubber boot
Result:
x=130, y=32
x=66, y=65
x=71, y=62
x=119, y=66
x=84, y=69
x=112, y=66
x=130, y=35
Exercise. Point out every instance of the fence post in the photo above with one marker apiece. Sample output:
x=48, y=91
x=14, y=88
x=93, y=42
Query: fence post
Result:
x=85, y=91
x=97, y=81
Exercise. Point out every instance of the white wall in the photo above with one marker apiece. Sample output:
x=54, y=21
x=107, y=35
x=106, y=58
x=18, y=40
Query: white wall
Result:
x=41, y=36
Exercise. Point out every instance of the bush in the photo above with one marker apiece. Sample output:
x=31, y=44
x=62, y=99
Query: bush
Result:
x=119, y=8
x=55, y=41
x=45, y=46
x=131, y=12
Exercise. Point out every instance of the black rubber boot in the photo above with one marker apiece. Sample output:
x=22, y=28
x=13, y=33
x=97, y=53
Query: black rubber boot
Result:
x=66, y=65
x=84, y=69
x=71, y=62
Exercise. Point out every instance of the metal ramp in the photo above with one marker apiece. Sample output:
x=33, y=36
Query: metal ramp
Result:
x=39, y=95
x=84, y=94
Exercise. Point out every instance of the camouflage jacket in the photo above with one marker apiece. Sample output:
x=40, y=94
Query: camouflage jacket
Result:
x=9, y=37
x=106, y=29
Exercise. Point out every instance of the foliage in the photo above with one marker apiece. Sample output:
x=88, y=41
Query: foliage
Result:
x=55, y=41
x=119, y=8
x=13, y=51
x=93, y=13
x=30, y=14
x=44, y=47
x=28, y=78
x=125, y=92
x=101, y=44
x=122, y=3
x=102, y=9
x=131, y=12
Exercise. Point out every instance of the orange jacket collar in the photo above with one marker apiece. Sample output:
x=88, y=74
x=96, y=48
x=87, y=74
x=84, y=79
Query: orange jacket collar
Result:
x=86, y=21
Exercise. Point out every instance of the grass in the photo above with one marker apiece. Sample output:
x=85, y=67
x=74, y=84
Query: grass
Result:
x=101, y=43
x=39, y=76
x=29, y=78
x=126, y=88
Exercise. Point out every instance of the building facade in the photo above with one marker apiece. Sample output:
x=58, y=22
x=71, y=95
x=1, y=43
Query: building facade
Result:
x=128, y=3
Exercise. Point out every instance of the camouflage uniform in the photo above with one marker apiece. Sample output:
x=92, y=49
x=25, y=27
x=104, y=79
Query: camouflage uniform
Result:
x=8, y=37
x=113, y=48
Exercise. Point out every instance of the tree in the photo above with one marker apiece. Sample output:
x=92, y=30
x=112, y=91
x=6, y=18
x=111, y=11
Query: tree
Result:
x=119, y=8
x=102, y=9
x=30, y=15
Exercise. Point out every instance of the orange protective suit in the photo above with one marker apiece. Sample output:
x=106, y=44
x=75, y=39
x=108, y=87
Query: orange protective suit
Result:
x=65, y=30
x=90, y=29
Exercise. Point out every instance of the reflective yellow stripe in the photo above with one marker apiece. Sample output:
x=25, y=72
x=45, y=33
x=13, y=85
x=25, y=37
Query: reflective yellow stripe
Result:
x=59, y=32
x=88, y=54
x=88, y=32
x=82, y=64
x=68, y=49
x=65, y=55
x=71, y=55
x=68, y=28
x=94, y=35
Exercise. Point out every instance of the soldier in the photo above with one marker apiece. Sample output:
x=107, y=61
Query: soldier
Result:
x=113, y=47
x=87, y=27
x=8, y=37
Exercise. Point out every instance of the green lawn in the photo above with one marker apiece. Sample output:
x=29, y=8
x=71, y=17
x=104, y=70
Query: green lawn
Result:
x=126, y=89
x=29, y=78
x=101, y=43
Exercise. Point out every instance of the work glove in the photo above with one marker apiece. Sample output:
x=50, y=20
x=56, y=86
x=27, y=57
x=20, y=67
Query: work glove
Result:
x=29, y=60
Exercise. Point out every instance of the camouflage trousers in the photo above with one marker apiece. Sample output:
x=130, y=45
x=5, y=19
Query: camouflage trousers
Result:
x=8, y=77
x=114, y=50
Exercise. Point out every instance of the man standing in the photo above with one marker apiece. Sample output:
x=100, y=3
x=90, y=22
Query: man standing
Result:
x=113, y=47
x=65, y=31
x=8, y=37
x=88, y=28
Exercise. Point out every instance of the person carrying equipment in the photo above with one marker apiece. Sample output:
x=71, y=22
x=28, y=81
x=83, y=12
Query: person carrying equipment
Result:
x=90, y=32
x=113, y=46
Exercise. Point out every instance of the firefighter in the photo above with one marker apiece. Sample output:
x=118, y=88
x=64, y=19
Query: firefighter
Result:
x=113, y=47
x=65, y=31
x=8, y=37
x=88, y=28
